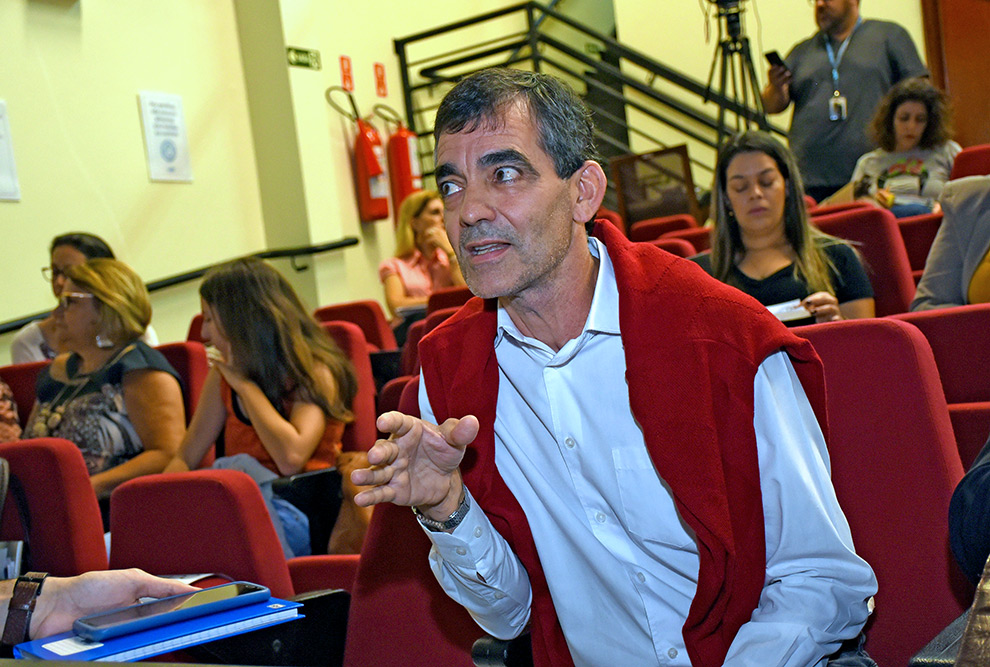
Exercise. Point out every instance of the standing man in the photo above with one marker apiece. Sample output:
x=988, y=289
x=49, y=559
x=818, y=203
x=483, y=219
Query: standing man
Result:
x=836, y=78
x=626, y=461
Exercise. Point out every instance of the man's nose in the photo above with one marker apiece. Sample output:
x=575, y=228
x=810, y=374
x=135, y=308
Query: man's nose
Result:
x=475, y=206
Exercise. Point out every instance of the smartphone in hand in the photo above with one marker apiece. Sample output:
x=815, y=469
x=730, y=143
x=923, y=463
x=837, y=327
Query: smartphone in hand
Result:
x=164, y=611
x=774, y=59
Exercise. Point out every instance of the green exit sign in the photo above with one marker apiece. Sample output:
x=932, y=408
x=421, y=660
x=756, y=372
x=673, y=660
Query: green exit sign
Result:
x=303, y=57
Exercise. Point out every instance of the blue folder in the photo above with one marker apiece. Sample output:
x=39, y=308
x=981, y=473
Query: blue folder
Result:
x=138, y=645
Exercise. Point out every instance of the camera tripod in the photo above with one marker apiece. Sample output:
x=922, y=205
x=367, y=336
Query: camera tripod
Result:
x=737, y=71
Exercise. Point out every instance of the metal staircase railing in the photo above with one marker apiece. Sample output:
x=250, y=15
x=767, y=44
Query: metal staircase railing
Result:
x=639, y=104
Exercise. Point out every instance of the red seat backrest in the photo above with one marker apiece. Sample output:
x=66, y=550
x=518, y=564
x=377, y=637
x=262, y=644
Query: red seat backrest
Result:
x=188, y=358
x=918, y=233
x=360, y=434
x=447, y=297
x=612, y=217
x=195, y=333
x=66, y=535
x=198, y=521
x=368, y=315
x=699, y=237
x=878, y=240
x=894, y=467
x=399, y=615
x=678, y=247
x=960, y=340
x=21, y=379
x=654, y=228
x=971, y=161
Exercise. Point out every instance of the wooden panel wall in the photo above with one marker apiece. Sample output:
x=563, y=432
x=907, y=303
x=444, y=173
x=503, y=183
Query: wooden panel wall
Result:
x=957, y=33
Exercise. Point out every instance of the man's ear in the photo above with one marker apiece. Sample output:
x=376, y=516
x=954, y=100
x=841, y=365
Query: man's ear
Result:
x=591, y=183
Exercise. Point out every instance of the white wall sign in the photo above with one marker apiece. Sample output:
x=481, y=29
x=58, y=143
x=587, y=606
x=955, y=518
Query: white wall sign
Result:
x=10, y=190
x=165, y=137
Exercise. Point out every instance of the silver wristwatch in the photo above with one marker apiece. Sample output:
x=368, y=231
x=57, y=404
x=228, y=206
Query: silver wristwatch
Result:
x=452, y=521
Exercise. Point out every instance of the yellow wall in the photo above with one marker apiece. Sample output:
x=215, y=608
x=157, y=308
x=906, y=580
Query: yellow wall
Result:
x=270, y=158
x=70, y=73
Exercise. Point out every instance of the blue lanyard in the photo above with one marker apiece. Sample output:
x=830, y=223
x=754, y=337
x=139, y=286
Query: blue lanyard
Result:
x=836, y=59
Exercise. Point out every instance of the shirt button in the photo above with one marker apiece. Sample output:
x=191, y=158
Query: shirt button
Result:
x=461, y=551
x=499, y=595
x=600, y=517
x=477, y=531
x=570, y=443
x=672, y=653
x=642, y=580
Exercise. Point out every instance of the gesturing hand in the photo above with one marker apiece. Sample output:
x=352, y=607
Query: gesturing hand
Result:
x=418, y=464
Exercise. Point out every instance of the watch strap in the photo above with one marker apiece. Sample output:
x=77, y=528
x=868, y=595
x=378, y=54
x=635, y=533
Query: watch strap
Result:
x=449, y=523
x=22, y=601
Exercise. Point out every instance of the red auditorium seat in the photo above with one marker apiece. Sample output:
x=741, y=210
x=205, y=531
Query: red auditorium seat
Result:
x=612, y=217
x=699, y=237
x=21, y=379
x=654, y=228
x=410, y=351
x=960, y=341
x=678, y=247
x=875, y=233
x=189, y=360
x=66, y=532
x=195, y=333
x=368, y=315
x=399, y=615
x=447, y=297
x=894, y=467
x=971, y=161
x=388, y=398
x=361, y=433
x=829, y=209
x=918, y=232
x=211, y=521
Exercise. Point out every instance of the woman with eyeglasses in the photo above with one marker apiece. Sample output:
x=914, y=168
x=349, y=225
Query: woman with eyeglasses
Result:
x=116, y=398
x=37, y=341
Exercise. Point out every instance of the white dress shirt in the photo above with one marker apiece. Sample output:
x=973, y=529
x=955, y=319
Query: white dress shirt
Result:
x=621, y=565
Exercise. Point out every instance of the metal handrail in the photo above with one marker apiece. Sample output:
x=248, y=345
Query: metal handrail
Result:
x=687, y=119
x=179, y=278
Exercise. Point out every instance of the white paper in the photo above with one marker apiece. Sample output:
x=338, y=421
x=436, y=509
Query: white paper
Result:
x=789, y=310
x=10, y=190
x=165, y=137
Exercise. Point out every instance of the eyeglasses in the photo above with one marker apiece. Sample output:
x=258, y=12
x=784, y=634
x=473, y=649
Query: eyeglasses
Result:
x=51, y=274
x=66, y=299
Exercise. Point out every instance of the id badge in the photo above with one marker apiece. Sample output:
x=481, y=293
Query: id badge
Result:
x=837, y=108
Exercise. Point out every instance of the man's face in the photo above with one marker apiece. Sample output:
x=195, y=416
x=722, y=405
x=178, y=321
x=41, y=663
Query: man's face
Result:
x=833, y=15
x=508, y=215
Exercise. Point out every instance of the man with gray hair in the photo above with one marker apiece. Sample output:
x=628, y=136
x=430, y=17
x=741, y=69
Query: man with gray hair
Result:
x=627, y=460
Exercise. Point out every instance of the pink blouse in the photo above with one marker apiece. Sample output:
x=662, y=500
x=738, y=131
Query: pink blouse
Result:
x=420, y=276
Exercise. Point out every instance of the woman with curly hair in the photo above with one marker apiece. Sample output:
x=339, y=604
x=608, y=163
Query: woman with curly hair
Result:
x=913, y=127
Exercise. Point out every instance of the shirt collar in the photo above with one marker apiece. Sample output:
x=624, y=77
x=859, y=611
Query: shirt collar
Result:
x=603, y=317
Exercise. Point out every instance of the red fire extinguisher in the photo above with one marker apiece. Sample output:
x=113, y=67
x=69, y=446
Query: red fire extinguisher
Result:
x=371, y=181
x=405, y=174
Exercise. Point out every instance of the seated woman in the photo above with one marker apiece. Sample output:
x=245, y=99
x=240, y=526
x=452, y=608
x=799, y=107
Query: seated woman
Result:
x=118, y=399
x=37, y=341
x=10, y=425
x=765, y=246
x=424, y=259
x=958, y=268
x=913, y=126
x=279, y=390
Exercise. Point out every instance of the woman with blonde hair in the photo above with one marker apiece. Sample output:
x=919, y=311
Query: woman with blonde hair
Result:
x=424, y=259
x=116, y=398
x=279, y=391
x=765, y=246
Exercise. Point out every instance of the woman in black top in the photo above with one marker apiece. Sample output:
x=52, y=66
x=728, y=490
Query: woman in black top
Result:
x=765, y=246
